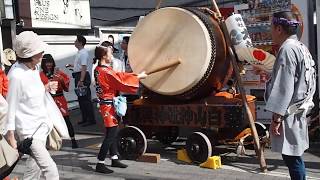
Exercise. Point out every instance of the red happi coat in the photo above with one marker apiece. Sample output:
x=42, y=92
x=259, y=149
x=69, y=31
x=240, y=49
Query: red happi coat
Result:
x=63, y=85
x=108, y=85
x=4, y=83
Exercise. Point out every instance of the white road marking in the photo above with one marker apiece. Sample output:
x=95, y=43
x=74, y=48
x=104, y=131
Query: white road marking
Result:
x=270, y=173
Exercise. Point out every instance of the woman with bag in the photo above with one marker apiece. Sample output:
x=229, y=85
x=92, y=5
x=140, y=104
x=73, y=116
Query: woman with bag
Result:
x=108, y=85
x=8, y=155
x=50, y=73
x=28, y=110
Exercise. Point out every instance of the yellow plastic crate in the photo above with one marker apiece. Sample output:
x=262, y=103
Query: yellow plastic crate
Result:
x=213, y=162
x=183, y=156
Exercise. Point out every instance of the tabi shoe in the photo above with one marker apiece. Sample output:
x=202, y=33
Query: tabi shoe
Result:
x=101, y=168
x=117, y=163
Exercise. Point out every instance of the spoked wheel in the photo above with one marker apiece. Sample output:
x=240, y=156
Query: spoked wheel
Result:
x=261, y=130
x=198, y=147
x=132, y=142
x=263, y=134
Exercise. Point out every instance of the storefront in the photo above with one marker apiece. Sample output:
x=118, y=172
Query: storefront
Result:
x=58, y=23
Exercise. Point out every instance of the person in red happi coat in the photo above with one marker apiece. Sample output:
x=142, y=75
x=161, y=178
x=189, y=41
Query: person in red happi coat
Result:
x=108, y=85
x=3, y=92
x=3, y=83
x=51, y=73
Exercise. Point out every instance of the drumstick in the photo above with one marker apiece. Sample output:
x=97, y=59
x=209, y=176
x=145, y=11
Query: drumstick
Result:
x=164, y=66
x=215, y=7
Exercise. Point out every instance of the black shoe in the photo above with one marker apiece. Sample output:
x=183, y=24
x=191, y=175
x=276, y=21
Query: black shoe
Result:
x=101, y=168
x=74, y=144
x=81, y=122
x=88, y=124
x=117, y=163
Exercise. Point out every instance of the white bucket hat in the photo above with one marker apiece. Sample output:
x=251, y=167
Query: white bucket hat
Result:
x=29, y=44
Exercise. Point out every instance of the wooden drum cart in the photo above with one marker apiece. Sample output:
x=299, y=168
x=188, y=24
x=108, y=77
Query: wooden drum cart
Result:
x=189, y=62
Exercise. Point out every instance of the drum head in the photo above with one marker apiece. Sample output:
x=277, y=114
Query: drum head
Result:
x=167, y=34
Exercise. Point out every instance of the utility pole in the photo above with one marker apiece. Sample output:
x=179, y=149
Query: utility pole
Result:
x=318, y=45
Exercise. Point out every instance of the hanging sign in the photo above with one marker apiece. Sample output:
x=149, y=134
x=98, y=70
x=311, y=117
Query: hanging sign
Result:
x=60, y=14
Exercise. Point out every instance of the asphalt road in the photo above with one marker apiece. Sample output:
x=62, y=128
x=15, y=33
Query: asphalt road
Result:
x=80, y=164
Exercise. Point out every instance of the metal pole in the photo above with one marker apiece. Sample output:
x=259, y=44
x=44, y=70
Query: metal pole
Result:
x=259, y=150
x=158, y=4
x=1, y=44
x=318, y=45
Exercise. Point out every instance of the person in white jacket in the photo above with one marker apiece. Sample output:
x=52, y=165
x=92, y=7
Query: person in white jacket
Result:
x=27, y=107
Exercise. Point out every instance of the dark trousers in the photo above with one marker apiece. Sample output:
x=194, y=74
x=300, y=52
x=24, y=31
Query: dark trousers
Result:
x=86, y=107
x=85, y=102
x=296, y=167
x=69, y=126
x=109, y=143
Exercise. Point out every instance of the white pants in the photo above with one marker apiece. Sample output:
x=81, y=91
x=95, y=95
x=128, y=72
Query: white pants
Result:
x=40, y=161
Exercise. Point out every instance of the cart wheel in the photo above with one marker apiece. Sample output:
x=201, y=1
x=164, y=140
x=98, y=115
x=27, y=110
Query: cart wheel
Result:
x=132, y=143
x=261, y=130
x=168, y=135
x=198, y=147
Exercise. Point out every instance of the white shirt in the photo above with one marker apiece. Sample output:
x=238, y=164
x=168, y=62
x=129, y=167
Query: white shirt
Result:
x=126, y=63
x=3, y=114
x=118, y=65
x=82, y=59
x=26, y=103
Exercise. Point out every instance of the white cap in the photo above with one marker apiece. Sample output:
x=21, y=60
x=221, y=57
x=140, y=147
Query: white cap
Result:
x=9, y=54
x=29, y=44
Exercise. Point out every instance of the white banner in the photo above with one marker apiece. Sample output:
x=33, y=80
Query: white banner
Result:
x=60, y=14
x=243, y=45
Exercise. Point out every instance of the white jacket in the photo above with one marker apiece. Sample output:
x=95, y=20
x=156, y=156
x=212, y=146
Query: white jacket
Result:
x=30, y=105
x=3, y=113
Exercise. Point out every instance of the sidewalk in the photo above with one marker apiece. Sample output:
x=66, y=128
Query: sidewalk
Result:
x=75, y=117
x=80, y=164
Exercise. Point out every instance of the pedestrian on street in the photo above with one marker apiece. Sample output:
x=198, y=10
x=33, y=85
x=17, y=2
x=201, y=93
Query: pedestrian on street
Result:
x=123, y=65
x=124, y=56
x=9, y=59
x=51, y=73
x=13, y=153
x=3, y=83
x=111, y=40
x=83, y=81
x=289, y=94
x=28, y=115
x=108, y=85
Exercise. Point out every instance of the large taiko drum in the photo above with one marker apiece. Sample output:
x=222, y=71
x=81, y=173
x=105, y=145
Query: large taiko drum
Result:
x=189, y=35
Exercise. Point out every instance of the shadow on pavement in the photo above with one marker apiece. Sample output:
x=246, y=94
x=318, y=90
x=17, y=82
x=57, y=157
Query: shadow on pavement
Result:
x=246, y=163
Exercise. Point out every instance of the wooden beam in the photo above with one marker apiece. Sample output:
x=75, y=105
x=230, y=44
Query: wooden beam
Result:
x=158, y=4
x=259, y=150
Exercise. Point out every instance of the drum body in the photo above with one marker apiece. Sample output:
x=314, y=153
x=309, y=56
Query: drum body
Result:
x=189, y=35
